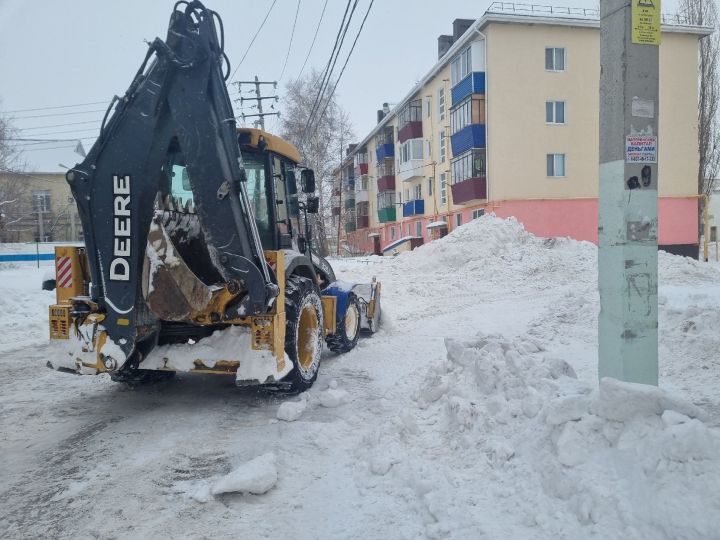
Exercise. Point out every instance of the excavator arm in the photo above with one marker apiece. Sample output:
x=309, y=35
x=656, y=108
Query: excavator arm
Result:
x=177, y=99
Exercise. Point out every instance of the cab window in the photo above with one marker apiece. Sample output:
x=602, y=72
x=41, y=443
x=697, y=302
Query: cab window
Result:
x=256, y=185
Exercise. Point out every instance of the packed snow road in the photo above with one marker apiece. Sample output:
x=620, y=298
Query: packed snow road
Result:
x=497, y=431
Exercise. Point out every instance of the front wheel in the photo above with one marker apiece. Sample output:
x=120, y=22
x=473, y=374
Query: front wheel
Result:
x=303, y=332
x=348, y=329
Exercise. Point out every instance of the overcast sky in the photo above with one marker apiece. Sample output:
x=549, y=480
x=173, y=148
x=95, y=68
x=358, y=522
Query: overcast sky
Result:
x=55, y=53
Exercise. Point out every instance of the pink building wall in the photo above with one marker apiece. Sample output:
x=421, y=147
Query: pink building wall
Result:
x=576, y=218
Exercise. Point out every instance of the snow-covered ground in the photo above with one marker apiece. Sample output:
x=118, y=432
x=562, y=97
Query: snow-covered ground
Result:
x=474, y=412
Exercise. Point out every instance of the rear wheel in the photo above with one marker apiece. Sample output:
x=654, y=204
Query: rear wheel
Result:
x=348, y=329
x=303, y=332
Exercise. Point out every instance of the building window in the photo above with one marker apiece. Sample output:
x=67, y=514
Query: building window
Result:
x=41, y=200
x=428, y=106
x=407, y=195
x=443, y=188
x=442, y=147
x=458, y=220
x=477, y=213
x=471, y=164
x=417, y=190
x=556, y=164
x=392, y=233
x=555, y=58
x=407, y=230
x=430, y=186
x=411, y=149
x=418, y=228
x=386, y=199
x=555, y=112
x=441, y=103
x=461, y=67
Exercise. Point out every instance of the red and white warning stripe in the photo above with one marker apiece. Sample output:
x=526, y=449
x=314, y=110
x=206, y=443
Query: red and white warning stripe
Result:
x=63, y=272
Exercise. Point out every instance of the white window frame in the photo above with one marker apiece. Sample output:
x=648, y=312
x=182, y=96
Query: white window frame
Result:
x=461, y=116
x=418, y=228
x=458, y=219
x=417, y=192
x=392, y=233
x=407, y=230
x=443, y=142
x=407, y=195
x=551, y=170
x=443, y=188
x=430, y=186
x=554, y=69
x=461, y=66
x=552, y=108
x=441, y=103
x=409, y=150
x=478, y=213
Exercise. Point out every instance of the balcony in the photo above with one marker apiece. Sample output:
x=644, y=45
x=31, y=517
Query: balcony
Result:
x=386, y=183
x=384, y=151
x=350, y=226
x=361, y=168
x=335, y=211
x=349, y=182
x=410, y=169
x=414, y=208
x=411, y=130
x=474, y=83
x=386, y=215
x=361, y=196
x=471, y=136
x=349, y=204
x=470, y=190
x=363, y=222
x=410, y=121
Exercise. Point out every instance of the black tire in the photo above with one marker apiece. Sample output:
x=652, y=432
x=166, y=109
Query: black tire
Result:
x=348, y=329
x=303, y=308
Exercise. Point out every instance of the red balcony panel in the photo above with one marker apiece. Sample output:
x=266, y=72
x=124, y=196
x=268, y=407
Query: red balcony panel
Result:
x=361, y=169
x=386, y=182
x=336, y=211
x=470, y=190
x=363, y=222
x=411, y=130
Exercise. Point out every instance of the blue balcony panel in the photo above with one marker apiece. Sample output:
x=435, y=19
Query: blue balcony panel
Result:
x=414, y=208
x=471, y=136
x=385, y=151
x=474, y=83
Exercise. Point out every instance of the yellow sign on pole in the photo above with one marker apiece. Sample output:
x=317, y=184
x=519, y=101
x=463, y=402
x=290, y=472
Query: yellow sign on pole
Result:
x=645, y=22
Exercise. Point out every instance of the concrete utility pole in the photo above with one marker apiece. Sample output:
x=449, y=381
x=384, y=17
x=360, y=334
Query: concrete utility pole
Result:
x=627, y=257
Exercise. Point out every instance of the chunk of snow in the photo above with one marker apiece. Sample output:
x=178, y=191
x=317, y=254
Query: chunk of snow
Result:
x=256, y=476
x=292, y=410
x=333, y=397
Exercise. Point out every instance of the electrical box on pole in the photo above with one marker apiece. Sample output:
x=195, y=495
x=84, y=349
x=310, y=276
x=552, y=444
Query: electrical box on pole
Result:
x=628, y=191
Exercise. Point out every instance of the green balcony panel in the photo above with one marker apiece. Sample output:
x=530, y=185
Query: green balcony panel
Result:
x=386, y=215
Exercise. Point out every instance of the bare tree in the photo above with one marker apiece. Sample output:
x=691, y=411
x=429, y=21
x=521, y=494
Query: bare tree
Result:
x=13, y=189
x=319, y=136
x=705, y=13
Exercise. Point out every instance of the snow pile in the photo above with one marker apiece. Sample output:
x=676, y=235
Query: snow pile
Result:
x=529, y=450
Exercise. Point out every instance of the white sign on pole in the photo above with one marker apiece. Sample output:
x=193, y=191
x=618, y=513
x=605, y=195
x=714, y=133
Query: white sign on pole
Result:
x=641, y=149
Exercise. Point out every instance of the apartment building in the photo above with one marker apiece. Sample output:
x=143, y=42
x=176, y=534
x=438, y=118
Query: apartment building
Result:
x=507, y=121
x=37, y=207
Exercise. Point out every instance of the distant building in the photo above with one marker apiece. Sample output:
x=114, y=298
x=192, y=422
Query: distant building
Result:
x=37, y=206
x=507, y=121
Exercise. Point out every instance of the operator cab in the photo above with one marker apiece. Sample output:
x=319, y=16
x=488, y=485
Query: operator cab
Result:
x=272, y=186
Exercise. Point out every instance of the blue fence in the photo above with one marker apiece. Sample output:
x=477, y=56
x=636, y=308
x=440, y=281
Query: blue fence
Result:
x=27, y=257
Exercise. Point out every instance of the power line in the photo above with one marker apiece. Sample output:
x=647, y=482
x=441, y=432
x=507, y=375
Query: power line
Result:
x=63, y=132
x=253, y=39
x=327, y=103
x=56, y=107
x=317, y=29
x=327, y=68
x=58, y=114
x=290, y=44
x=62, y=125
